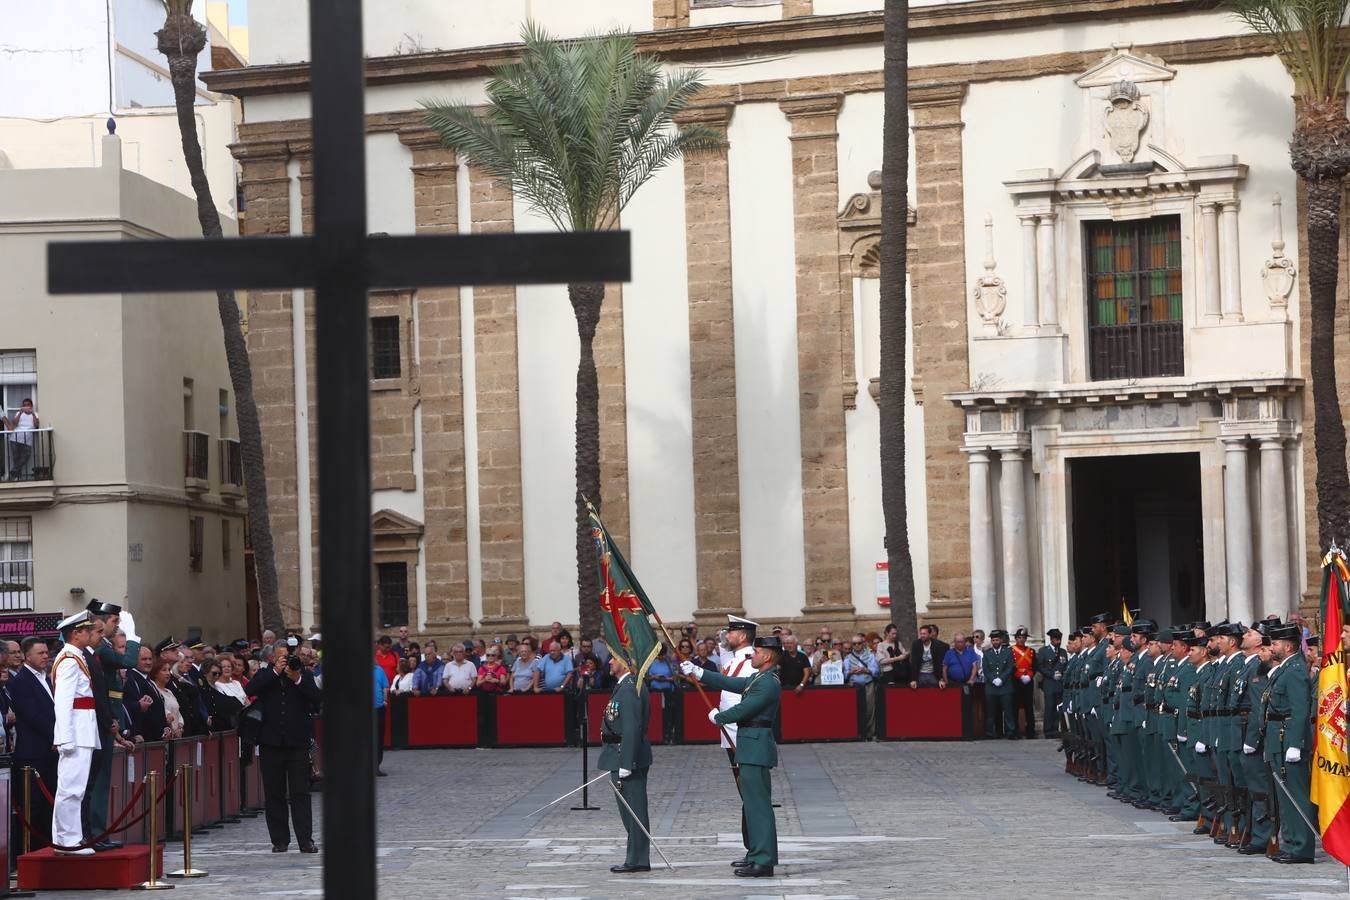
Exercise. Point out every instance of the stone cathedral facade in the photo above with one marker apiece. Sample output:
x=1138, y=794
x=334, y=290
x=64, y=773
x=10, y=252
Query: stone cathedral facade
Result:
x=1108, y=339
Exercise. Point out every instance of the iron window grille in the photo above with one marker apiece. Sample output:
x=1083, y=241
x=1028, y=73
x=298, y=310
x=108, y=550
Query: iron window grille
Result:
x=392, y=585
x=16, y=564
x=385, y=357
x=196, y=542
x=1135, y=304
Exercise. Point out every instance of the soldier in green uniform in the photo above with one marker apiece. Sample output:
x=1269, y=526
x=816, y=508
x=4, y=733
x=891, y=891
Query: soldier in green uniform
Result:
x=1183, y=698
x=1159, y=724
x=1069, y=740
x=1130, y=783
x=1258, y=818
x=626, y=753
x=998, y=688
x=756, y=752
x=108, y=617
x=1092, y=679
x=1145, y=659
x=1288, y=742
x=1228, y=638
x=1051, y=663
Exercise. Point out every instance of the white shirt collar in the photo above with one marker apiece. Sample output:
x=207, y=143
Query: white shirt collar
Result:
x=622, y=677
x=1230, y=658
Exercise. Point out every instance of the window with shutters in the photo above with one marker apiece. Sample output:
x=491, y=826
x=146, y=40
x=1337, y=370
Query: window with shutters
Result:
x=392, y=585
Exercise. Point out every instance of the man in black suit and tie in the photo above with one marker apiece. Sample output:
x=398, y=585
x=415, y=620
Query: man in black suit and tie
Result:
x=34, y=707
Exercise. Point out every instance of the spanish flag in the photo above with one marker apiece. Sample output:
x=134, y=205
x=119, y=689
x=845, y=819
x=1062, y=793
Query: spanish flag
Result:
x=1331, y=763
x=1125, y=615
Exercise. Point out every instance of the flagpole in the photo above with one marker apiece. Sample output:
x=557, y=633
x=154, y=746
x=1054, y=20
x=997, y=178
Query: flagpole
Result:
x=676, y=647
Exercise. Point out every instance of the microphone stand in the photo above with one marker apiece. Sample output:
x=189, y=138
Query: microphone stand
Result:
x=583, y=721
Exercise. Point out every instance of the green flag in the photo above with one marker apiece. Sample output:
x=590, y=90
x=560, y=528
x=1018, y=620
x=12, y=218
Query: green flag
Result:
x=628, y=632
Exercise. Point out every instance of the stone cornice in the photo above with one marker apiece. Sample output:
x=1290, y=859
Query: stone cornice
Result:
x=1112, y=393
x=714, y=115
x=721, y=41
x=811, y=105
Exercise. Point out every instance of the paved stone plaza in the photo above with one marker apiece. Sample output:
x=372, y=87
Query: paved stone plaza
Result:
x=858, y=821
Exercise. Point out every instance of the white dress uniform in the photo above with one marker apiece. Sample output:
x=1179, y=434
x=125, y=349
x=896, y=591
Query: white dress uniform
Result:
x=76, y=737
x=735, y=663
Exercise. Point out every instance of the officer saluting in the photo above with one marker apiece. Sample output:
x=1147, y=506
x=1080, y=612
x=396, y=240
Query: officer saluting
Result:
x=75, y=734
x=756, y=752
x=627, y=755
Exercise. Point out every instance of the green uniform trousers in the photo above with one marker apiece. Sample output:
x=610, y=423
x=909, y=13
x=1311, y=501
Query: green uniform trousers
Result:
x=1123, y=754
x=97, y=792
x=634, y=790
x=1154, y=773
x=1296, y=838
x=1238, y=775
x=757, y=802
x=1187, y=794
x=1255, y=778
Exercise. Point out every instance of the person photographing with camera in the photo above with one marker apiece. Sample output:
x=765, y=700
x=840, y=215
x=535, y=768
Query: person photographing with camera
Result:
x=286, y=694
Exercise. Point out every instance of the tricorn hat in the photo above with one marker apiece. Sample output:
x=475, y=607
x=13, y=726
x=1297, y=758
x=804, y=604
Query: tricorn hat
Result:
x=1286, y=633
x=103, y=608
x=1054, y=634
x=770, y=642
x=1101, y=619
x=999, y=633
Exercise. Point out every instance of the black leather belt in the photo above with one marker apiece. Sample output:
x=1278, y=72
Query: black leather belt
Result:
x=756, y=723
x=1138, y=701
x=612, y=738
x=1277, y=717
x=1193, y=713
x=1126, y=690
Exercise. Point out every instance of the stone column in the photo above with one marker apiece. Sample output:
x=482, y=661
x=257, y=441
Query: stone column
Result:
x=669, y=14
x=1031, y=313
x=1276, y=593
x=268, y=328
x=1209, y=216
x=712, y=374
x=1237, y=530
x=441, y=395
x=1016, y=544
x=500, y=507
x=939, y=321
x=1045, y=253
x=820, y=365
x=983, y=576
x=1232, y=263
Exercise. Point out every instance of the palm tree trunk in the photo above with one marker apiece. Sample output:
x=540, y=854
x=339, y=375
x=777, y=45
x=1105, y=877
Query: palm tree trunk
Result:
x=181, y=40
x=892, y=252
x=587, y=299
x=1324, y=238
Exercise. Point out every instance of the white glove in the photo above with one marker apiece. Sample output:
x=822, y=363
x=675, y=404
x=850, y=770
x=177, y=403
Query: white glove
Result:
x=1026, y=679
x=1069, y=707
x=1293, y=755
x=1099, y=681
x=998, y=682
x=1248, y=749
x=1093, y=710
x=65, y=749
x=1058, y=676
x=1200, y=747
x=128, y=626
x=624, y=773
x=689, y=670
x=712, y=716
x=1181, y=739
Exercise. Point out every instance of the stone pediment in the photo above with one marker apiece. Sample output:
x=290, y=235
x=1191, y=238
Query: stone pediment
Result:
x=387, y=523
x=1122, y=65
x=1089, y=178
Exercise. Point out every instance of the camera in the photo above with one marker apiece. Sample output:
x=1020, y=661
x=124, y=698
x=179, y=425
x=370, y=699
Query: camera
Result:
x=293, y=663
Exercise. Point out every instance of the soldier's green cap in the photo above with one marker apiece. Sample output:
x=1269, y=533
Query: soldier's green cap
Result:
x=1195, y=640
x=1164, y=636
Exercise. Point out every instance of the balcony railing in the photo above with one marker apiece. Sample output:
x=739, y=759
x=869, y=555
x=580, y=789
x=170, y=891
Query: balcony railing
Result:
x=1141, y=350
x=16, y=585
x=231, y=463
x=29, y=455
x=196, y=459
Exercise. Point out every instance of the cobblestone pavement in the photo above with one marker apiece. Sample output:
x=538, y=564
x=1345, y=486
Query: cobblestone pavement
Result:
x=857, y=821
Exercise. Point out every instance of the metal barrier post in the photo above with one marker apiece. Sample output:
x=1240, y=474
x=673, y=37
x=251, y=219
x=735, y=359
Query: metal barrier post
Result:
x=185, y=773
x=153, y=883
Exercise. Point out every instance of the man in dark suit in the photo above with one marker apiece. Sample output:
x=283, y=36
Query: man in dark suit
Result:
x=137, y=695
x=34, y=708
x=925, y=659
x=287, y=694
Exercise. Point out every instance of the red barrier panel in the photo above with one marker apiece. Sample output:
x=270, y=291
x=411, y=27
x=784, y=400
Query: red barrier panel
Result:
x=230, y=800
x=595, y=709
x=697, y=728
x=207, y=783
x=155, y=758
x=388, y=737
x=253, y=795
x=923, y=713
x=530, y=720
x=657, y=718
x=820, y=714
x=119, y=792
x=447, y=721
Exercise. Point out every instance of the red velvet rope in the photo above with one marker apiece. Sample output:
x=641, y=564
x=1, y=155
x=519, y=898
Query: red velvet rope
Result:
x=117, y=827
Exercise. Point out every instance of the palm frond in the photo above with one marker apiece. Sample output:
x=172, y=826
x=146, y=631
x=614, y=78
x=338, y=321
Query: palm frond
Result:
x=1309, y=39
x=577, y=126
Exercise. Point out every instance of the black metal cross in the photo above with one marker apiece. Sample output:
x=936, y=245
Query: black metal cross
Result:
x=340, y=261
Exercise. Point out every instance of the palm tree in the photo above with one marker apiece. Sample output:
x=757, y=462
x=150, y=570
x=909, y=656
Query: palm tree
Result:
x=892, y=253
x=1307, y=35
x=576, y=127
x=181, y=40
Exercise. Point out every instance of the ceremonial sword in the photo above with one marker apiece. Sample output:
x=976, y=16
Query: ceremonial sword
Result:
x=1184, y=773
x=568, y=794
x=1298, y=809
x=638, y=822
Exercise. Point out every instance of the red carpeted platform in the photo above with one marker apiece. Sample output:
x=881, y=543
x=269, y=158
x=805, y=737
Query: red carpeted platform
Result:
x=45, y=870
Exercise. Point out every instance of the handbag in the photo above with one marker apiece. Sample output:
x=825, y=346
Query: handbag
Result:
x=250, y=728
